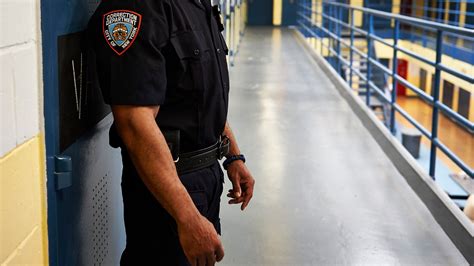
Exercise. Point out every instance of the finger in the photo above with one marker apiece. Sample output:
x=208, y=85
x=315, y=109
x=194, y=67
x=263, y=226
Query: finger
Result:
x=193, y=261
x=211, y=259
x=233, y=194
x=236, y=187
x=246, y=202
x=247, y=197
x=236, y=201
x=201, y=260
x=219, y=252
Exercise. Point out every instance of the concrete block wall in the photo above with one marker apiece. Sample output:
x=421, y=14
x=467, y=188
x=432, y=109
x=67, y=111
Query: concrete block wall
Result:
x=23, y=232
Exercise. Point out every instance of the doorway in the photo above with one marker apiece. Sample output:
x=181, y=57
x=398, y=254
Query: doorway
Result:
x=260, y=12
x=290, y=8
x=83, y=173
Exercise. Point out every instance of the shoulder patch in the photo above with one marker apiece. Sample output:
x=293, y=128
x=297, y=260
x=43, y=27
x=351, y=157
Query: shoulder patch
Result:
x=121, y=28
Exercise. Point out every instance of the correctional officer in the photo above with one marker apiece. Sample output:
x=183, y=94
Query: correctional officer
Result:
x=162, y=67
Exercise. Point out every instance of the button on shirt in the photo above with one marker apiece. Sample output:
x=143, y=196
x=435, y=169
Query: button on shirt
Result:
x=168, y=53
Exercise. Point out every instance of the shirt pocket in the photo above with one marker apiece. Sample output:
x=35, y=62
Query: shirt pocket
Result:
x=194, y=56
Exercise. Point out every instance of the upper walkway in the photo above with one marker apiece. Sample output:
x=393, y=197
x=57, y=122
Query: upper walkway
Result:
x=326, y=193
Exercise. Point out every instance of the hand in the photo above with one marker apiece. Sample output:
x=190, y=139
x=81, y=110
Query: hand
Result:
x=242, y=183
x=200, y=242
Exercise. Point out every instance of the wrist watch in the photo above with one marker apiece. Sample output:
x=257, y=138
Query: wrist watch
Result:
x=232, y=159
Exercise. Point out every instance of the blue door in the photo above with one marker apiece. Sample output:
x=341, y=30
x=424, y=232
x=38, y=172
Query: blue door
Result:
x=260, y=12
x=84, y=201
x=380, y=24
x=290, y=8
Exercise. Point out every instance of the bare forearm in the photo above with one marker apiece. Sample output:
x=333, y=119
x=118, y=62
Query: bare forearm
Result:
x=151, y=156
x=234, y=147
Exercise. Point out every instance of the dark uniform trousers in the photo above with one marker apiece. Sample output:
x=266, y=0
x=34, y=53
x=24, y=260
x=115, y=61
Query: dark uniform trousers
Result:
x=152, y=237
x=167, y=53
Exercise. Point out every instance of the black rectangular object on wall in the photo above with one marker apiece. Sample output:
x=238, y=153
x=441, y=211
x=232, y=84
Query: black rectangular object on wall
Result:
x=448, y=93
x=464, y=102
x=80, y=101
x=423, y=75
x=432, y=85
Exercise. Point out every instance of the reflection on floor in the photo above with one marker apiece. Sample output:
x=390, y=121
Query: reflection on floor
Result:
x=326, y=194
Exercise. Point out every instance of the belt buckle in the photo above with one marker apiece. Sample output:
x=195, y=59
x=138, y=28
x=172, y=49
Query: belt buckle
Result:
x=223, y=141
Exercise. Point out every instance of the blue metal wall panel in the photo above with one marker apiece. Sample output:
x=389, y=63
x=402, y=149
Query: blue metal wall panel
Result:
x=260, y=12
x=289, y=16
x=81, y=230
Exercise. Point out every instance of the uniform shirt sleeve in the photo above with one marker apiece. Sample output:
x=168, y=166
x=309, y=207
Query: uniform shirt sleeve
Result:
x=127, y=37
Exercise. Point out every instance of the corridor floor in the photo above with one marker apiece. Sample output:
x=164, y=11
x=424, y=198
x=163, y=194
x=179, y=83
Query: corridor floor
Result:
x=326, y=194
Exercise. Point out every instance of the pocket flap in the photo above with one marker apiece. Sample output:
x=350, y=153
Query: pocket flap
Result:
x=189, y=44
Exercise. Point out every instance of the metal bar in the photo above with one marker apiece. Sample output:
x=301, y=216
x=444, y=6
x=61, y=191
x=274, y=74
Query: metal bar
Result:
x=381, y=66
x=412, y=54
x=458, y=197
x=454, y=158
x=412, y=121
x=413, y=88
x=396, y=36
x=452, y=114
x=338, y=44
x=333, y=32
x=359, y=52
x=379, y=92
x=361, y=76
x=369, y=55
x=410, y=20
x=435, y=118
x=322, y=26
x=380, y=40
x=453, y=72
x=351, y=51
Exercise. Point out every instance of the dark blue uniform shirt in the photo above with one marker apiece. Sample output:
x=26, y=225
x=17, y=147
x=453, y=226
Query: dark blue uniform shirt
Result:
x=169, y=53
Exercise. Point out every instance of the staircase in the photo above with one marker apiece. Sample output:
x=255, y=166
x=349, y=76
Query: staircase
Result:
x=378, y=77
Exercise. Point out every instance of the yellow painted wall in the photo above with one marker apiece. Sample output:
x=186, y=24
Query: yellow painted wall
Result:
x=23, y=230
x=358, y=16
x=277, y=12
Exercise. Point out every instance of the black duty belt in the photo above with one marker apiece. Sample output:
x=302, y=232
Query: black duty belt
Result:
x=196, y=160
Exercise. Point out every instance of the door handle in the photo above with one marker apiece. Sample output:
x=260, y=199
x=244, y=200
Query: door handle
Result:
x=63, y=171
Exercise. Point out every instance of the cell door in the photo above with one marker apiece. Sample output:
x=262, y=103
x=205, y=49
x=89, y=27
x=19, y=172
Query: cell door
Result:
x=464, y=102
x=260, y=12
x=290, y=8
x=448, y=93
x=84, y=201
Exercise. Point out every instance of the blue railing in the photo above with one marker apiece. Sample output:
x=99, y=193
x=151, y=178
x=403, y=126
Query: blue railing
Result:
x=438, y=11
x=326, y=21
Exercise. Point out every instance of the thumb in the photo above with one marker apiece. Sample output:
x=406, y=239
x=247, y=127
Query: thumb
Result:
x=236, y=187
x=219, y=252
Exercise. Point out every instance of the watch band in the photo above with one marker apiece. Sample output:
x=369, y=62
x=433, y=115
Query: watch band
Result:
x=232, y=159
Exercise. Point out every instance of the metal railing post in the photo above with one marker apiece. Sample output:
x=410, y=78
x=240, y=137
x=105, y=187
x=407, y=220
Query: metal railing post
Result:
x=330, y=39
x=369, y=56
x=339, y=36
x=309, y=13
x=396, y=36
x=436, y=87
x=322, y=27
x=351, y=52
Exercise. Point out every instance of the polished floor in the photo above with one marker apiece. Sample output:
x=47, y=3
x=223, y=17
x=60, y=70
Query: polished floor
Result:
x=326, y=194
